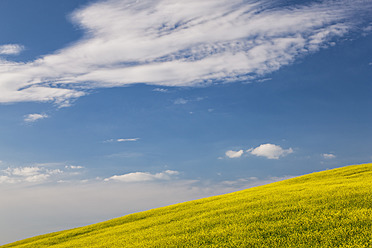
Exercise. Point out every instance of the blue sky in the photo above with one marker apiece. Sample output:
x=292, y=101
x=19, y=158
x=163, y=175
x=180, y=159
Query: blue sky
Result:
x=113, y=107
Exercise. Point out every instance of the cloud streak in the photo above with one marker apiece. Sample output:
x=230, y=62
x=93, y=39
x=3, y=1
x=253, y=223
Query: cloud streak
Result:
x=121, y=140
x=177, y=43
x=143, y=176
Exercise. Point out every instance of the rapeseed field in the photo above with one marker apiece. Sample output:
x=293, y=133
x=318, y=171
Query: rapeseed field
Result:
x=325, y=209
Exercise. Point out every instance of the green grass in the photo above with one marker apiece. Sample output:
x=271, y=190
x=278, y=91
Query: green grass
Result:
x=325, y=209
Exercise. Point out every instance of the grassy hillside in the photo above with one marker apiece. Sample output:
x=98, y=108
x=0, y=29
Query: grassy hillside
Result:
x=324, y=209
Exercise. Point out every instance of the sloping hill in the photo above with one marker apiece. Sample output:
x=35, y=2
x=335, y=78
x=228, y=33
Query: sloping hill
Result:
x=324, y=209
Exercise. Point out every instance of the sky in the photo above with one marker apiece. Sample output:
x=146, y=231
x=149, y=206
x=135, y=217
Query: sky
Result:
x=118, y=106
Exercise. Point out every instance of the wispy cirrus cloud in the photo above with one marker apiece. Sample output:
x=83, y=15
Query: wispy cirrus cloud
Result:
x=178, y=43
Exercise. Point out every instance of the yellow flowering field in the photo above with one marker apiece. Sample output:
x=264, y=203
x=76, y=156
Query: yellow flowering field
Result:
x=332, y=208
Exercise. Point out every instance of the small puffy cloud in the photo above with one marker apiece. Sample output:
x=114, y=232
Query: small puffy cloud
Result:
x=10, y=49
x=143, y=176
x=234, y=154
x=270, y=151
x=35, y=117
x=328, y=156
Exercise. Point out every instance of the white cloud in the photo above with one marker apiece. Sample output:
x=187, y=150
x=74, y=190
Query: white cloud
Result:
x=160, y=90
x=29, y=174
x=126, y=140
x=264, y=80
x=74, y=167
x=181, y=101
x=25, y=174
x=270, y=151
x=6, y=179
x=35, y=117
x=37, y=178
x=143, y=176
x=234, y=154
x=121, y=140
x=366, y=30
x=10, y=49
x=54, y=172
x=177, y=43
x=185, y=101
x=25, y=171
x=328, y=156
